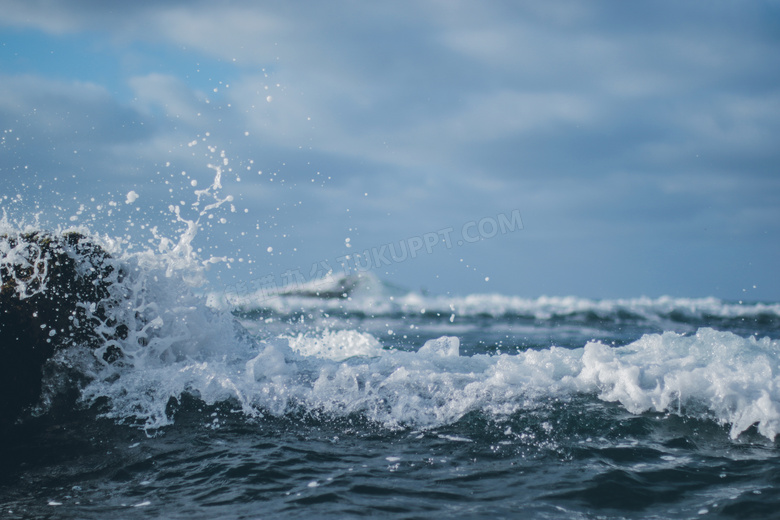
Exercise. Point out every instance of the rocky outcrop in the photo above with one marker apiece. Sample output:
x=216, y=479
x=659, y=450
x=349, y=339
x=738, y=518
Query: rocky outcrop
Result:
x=52, y=296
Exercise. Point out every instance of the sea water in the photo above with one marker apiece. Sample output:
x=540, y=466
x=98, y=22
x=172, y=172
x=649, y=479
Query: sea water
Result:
x=392, y=403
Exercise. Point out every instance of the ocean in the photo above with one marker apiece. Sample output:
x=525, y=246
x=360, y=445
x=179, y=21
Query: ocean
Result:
x=355, y=398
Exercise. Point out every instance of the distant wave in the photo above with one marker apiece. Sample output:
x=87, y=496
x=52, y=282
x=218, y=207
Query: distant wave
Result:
x=364, y=293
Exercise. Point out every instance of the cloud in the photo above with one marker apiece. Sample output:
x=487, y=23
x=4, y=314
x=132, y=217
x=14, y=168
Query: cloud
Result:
x=63, y=127
x=61, y=18
x=594, y=119
x=84, y=112
x=238, y=33
x=168, y=97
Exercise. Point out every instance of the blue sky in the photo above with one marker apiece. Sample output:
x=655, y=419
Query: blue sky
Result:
x=637, y=141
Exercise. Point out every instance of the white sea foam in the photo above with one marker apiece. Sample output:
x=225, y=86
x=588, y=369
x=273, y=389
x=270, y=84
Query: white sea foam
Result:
x=336, y=345
x=713, y=374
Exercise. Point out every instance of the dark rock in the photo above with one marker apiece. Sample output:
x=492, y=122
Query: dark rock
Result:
x=52, y=296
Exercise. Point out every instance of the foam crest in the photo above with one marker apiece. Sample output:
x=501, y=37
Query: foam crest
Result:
x=338, y=346
x=735, y=380
x=714, y=375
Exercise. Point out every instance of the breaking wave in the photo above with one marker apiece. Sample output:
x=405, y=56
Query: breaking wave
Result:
x=179, y=344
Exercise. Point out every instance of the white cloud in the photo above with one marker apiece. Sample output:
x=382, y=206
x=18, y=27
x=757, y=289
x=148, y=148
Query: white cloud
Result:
x=246, y=34
x=169, y=95
x=434, y=108
x=78, y=113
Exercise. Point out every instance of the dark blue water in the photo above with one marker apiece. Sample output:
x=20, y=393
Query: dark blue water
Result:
x=550, y=462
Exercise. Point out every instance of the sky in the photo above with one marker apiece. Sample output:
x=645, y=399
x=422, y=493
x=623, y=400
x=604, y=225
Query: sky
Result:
x=598, y=149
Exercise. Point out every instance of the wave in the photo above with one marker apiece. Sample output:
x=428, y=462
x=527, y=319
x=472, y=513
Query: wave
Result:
x=366, y=294
x=175, y=344
x=712, y=374
x=78, y=307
